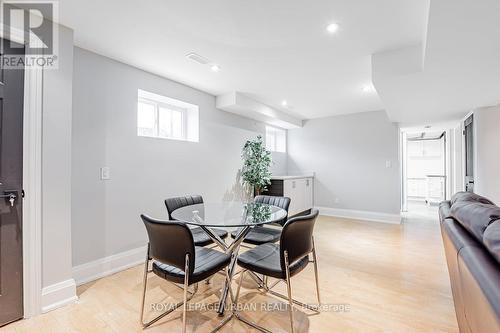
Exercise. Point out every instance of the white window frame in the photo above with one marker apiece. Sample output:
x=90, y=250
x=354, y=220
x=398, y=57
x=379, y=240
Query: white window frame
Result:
x=275, y=131
x=189, y=114
x=183, y=120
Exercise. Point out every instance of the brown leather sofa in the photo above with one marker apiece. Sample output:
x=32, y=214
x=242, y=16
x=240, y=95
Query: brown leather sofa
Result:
x=470, y=226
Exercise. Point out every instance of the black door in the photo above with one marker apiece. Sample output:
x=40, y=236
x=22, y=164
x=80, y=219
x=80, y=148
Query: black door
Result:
x=469, y=154
x=11, y=177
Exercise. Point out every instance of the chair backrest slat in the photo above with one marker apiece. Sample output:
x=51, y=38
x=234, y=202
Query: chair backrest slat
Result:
x=179, y=202
x=169, y=242
x=296, y=237
x=281, y=202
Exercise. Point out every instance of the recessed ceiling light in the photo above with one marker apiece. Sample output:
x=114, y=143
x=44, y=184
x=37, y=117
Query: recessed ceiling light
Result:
x=369, y=88
x=215, y=68
x=198, y=58
x=332, y=28
x=284, y=103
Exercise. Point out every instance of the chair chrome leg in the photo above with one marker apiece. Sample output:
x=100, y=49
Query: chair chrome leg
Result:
x=186, y=285
x=289, y=289
x=144, y=282
x=170, y=310
x=316, y=272
x=251, y=323
x=285, y=297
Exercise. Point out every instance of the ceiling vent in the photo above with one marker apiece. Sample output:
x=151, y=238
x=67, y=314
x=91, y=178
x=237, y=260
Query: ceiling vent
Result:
x=198, y=58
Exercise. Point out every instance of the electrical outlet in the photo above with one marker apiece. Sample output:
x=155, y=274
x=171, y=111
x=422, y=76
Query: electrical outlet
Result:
x=105, y=173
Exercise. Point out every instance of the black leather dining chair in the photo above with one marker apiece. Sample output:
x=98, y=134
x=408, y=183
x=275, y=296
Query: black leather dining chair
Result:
x=176, y=259
x=284, y=260
x=200, y=237
x=261, y=234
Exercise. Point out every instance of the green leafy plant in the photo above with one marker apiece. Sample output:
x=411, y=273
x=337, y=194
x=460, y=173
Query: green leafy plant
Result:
x=256, y=163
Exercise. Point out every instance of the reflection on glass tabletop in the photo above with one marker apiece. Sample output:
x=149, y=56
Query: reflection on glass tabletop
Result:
x=229, y=214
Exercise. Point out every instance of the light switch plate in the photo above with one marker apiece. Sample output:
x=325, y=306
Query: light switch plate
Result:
x=105, y=173
x=388, y=164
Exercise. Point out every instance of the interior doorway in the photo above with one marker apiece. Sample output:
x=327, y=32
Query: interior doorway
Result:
x=425, y=176
x=469, y=153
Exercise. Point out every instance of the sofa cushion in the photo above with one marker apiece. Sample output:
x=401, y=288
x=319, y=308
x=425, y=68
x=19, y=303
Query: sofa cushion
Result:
x=469, y=197
x=477, y=219
x=444, y=210
x=491, y=239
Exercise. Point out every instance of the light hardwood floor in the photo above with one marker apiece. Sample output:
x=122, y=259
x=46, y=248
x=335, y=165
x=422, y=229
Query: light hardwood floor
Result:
x=392, y=278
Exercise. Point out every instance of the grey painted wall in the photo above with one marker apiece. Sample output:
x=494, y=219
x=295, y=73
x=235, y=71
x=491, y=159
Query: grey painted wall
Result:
x=144, y=171
x=56, y=165
x=348, y=154
x=487, y=143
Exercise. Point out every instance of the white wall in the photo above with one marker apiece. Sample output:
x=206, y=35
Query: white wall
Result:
x=348, y=154
x=279, y=166
x=144, y=171
x=487, y=149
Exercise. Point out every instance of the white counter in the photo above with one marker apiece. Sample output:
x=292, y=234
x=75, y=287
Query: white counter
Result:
x=299, y=188
x=292, y=176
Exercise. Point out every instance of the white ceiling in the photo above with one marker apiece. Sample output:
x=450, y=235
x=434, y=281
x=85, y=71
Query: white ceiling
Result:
x=270, y=50
x=431, y=60
x=459, y=66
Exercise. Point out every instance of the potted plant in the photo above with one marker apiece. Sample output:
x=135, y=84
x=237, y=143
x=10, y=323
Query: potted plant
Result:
x=256, y=163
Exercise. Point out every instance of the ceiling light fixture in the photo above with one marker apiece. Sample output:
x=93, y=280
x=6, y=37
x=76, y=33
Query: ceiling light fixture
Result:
x=284, y=103
x=332, y=28
x=203, y=61
x=197, y=58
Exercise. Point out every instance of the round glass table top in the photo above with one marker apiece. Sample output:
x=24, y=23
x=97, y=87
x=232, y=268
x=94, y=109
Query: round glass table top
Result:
x=229, y=214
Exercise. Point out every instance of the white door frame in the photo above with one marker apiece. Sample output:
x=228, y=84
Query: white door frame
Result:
x=32, y=183
x=402, y=171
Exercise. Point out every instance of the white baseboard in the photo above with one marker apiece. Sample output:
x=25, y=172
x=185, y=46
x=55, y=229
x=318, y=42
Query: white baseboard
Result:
x=109, y=265
x=59, y=294
x=360, y=215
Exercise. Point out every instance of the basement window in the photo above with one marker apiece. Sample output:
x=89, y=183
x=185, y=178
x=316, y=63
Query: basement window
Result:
x=275, y=139
x=166, y=118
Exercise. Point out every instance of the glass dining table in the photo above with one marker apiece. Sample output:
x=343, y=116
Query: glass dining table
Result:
x=229, y=216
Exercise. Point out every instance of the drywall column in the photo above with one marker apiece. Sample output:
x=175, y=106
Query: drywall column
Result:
x=58, y=287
